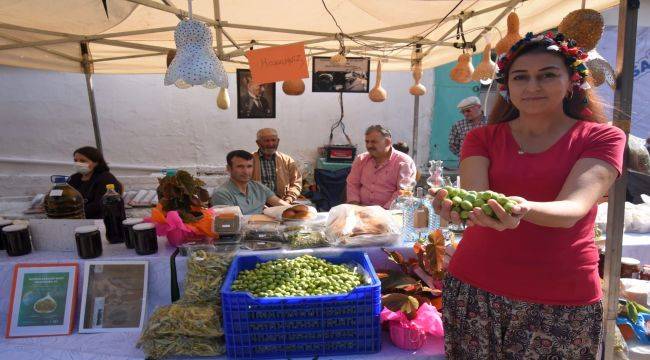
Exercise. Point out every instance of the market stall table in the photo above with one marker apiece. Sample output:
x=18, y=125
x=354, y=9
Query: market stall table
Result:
x=122, y=345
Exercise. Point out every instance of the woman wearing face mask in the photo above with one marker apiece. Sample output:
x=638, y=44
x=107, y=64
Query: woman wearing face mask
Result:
x=90, y=179
x=526, y=286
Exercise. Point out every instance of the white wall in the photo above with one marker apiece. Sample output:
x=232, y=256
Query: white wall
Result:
x=45, y=116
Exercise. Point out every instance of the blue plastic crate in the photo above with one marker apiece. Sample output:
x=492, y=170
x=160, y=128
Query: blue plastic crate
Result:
x=275, y=327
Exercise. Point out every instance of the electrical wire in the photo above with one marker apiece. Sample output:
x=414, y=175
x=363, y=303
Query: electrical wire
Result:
x=340, y=123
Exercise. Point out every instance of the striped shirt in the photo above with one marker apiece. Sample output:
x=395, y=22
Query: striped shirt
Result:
x=267, y=167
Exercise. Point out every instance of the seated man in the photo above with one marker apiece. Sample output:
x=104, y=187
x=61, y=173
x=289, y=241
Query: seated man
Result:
x=276, y=170
x=375, y=175
x=240, y=190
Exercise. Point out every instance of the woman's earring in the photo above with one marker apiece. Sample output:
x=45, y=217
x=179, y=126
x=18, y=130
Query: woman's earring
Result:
x=504, y=95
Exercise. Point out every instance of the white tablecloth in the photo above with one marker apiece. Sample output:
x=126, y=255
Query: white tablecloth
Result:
x=637, y=246
x=122, y=345
x=113, y=346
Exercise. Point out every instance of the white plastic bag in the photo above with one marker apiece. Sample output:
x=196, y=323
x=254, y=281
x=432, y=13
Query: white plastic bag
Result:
x=639, y=159
x=637, y=216
x=352, y=225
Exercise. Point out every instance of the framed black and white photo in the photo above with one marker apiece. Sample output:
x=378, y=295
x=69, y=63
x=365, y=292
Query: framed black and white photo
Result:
x=114, y=296
x=254, y=101
x=353, y=77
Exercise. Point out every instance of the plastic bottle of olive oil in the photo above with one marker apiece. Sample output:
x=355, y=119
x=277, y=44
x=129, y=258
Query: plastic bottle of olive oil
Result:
x=114, y=214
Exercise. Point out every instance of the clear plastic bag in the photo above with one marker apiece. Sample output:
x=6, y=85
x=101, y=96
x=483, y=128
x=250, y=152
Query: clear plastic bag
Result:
x=192, y=326
x=639, y=159
x=352, y=225
x=637, y=216
x=305, y=237
x=263, y=232
x=206, y=270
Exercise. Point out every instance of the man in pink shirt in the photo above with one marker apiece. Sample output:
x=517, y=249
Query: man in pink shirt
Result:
x=376, y=174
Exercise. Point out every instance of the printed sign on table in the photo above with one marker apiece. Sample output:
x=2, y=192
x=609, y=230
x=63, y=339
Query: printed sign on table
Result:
x=43, y=298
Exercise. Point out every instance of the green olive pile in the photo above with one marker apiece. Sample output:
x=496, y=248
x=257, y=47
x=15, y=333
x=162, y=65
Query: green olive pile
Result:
x=464, y=201
x=302, y=276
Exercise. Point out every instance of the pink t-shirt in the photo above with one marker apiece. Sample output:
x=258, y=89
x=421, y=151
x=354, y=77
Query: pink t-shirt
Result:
x=535, y=263
x=370, y=184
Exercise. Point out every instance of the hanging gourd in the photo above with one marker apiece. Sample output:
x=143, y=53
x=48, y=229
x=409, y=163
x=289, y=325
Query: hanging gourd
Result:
x=601, y=70
x=417, y=89
x=339, y=59
x=293, y=87
x=585, y=26
x=485, y=69
x=223, y=100
x=462, y=72
x=378, y=94
x=512, y=36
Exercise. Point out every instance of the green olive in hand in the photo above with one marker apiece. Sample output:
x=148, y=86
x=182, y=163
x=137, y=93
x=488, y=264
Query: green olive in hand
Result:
x=466, y=205
x=508, y=206
x=457, y=200
x=487, y=210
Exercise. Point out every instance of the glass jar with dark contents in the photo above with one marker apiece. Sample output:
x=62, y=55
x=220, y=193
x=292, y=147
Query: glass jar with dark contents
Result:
x=19, y=242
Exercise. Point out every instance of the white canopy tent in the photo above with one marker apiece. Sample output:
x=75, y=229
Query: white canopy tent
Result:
x=137, y=34
x=134, y=36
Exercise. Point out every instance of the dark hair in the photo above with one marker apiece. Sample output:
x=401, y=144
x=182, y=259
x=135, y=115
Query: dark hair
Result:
x=382, y=130
x=401, y=146
x=574, y=106
x=95, y=156
x=243, y=154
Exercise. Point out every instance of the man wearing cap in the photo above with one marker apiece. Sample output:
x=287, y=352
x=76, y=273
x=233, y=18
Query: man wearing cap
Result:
x=276, y=170
x=471, y=109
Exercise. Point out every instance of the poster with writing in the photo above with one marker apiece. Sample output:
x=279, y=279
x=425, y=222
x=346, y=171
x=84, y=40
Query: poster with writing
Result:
x=42, y=300
x=278, y=63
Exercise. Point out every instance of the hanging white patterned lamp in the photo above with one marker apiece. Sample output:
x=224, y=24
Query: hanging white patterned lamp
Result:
x=195, y=62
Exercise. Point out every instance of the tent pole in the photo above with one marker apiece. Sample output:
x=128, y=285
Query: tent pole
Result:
x=217, y=28
x=88, y=70
x=626, y=48
x=416, y=120
x=69, y=38
x=46, y=50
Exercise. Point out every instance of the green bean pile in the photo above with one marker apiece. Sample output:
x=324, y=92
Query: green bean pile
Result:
x=302, y=276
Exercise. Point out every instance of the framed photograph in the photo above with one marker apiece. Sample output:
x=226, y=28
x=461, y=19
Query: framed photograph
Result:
x=254, y=101
x=43, y=299
x=353, y=77
x=114, y=296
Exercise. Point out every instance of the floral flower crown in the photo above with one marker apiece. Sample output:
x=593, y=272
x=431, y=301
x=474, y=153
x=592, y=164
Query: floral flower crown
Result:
x=574, y=57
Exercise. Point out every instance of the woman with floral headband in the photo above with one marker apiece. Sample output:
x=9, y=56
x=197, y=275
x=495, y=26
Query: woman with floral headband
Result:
x=526, y=286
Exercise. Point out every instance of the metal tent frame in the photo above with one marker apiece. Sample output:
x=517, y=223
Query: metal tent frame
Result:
x=233, y=52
